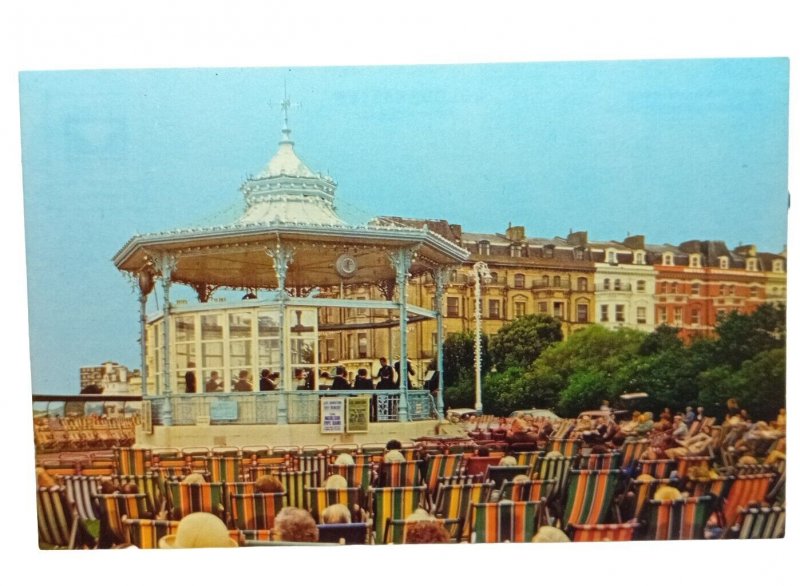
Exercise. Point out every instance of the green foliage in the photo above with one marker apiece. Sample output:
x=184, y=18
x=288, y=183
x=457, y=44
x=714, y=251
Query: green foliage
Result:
x=521, y=342
x=459, y=357
x=763, y=384
x=505, y=391
x=586, y=390
x=461, y=394
x=743, y=336
x=663, y=338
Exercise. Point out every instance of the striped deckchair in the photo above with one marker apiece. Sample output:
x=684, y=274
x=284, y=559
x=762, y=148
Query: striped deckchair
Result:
x=454, y=528
x=643, y=491
x=678, y=519
x=607, y=461
x=741, y=491
x=531, y=490
x=453, y=500
x=225, y=468
x=256, y=511
x=145, y=533
x=318, y=499
x=499, y=474
x=208, y=497
x=657, y=468
x=568, y=447
x=477, y=465
x=610, y=532
x=555, y=468
x=563, y=429
x=112, y=507
x=759, y=523
x=713, y=487
x=686, y=462
x=132, y=460
x=148, y=484
x=316, y=464
x=98, y=467
x=256, y=535
x=294, y=484
x=253, y=472
x=589, y=496
x=504, y=521
x=395, y=503
x=407, y=473
x=528, y=458
x=170, y=465
x=344, y=533
x=356, y=475
x=58, y=521
x=632, y=449
x=80, y=491
x=440, y=465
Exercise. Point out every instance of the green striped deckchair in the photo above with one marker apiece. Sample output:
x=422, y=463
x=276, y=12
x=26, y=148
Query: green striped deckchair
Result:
x=256, y=535
x=225, y=468
x=759, y=523
x=678, y=519
x=294, y=484
x=256, y=511
x=607, y=461
x=528, y=458
x=253, y=472
x=112, y=507
x=148, y=484
x=395, y=503
x=80, y=491
x=710, y=486
x=453, y=500
x=401, y=473
x=531, y=490
x=589, y=496
x=316, y=464
x=555, y=468
x=231, y=488
x=657, y=468
x=610, y=532
x=318, y=499
x=344, y=533
x=632, y=449
x=440, y=465
x=686, y=462
x=58, y=521
x=499, y=474
x=145, y=533
x=643, y=491
x=742, y=491
x=170, y=465
x=356, y=475
x=454, y=528
x=504, y=521
x=132, y=460
x=208, y=497
x=568, y=447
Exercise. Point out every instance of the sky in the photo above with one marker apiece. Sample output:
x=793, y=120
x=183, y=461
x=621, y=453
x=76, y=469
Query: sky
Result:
x=675, y=150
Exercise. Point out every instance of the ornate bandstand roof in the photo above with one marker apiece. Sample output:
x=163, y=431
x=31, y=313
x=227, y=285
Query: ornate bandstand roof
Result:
x=290, y=205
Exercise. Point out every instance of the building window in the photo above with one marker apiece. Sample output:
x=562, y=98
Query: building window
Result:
x=611, y=257
x=663, y=286
x=606, y=284
x=640, y=286
x=579, y=254
x=542, y=307
x=662, y=315
x=558, y=309
x=619, y=313
x=519, y=308
x=777, y=266
x=723, y=262
x=494, y=308
x=452, y=307
x=516, y=251
x=695, y=288
x=493, y=276
x=720, y=315
x=484, y=247
x=638, y=258
x=751, y=264
x=677, y=315
x=519, y=281
x=546, y=281
x=753, y=291
x=694, y=261
x=604, y=313
x=556, y=281
x=668, y=259
x=641, y=315
x=362, y=346
x=617, y=285
x=695, y=316
x=582, y=313
x=673, y=287
x=583, y=284
x=548, y=250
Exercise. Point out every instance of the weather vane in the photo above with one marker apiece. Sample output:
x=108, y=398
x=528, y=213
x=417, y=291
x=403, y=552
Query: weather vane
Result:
x=285, y=104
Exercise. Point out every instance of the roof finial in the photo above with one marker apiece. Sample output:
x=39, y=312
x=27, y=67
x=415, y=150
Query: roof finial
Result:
x=285, y=105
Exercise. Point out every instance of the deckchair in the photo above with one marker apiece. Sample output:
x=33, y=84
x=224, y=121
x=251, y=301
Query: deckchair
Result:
x=589, y=496
x=610, y=532
x=145, y=533
x=148, y=484
x=132, y=460
x=225, y=468
x=499, y=474
x=528, y=458
x=440, y=465
x=318, y=499
x=316, y=464
x=568, y=447
x=677, y=519
x=477, y=465
x=606, y=461
x=170, y=465
x=112, y=507
x=256, y=511
x=80, y=491
x=657, y=468
x=58, y=521
x=555, y=468
x=395, y=503
x=407, y=473
x=454, y=528
x=453, y=500
x=504, y=521
x=344, y=533
x=741, y=491
x=294, y=484
x=686, y=462
x=643, y=491
x=356, y=475
x=530, y=490
x=208, y=497
x=759, y=523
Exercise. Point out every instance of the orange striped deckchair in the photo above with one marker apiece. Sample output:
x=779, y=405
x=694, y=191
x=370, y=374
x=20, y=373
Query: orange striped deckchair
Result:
x=643, y=491
x=610, y=532
x=148, y=484
x=531, y=490
x=499, y=474
x=607, y=461
x=440, y=465
x=170, y=465
x=741, y=491
x=356, y=475
x=112, y=507
x=589, y=496
x=318, y=499
x=453, y=500
x=657, y=468
x=256, y=511
x=632, y=449
x=231, y=488
x=58, y=521
x=528, y=458
x=407, y=473
x=145, y=533
x=132, y=460
x=316, y=464
x=208, y=497
x=759, y=523
x=225, y=468
x=678, y=519
x=711, y=486
x=504, y=521
x=294, y=484
x=686, y=462
x=568, y=447
x=395, y=503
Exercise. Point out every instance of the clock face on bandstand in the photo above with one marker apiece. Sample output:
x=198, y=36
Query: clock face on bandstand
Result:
x=346, y=265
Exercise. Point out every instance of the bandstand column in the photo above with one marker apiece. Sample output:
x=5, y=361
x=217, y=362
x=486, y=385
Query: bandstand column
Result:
x=401, y=260
x=145, y=287
x=282, y=257
x=165, y=264
x=440, y=276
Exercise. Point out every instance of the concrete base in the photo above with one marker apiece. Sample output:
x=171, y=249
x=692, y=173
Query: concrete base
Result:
x=210, y=436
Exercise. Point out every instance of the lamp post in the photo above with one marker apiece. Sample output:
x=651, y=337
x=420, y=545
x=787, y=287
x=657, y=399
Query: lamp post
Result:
x=480, y=271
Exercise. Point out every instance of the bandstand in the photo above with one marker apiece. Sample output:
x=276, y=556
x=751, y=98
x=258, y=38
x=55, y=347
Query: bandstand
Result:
x=295, y=259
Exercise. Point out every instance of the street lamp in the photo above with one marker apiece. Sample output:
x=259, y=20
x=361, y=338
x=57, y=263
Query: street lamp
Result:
x=481, y=274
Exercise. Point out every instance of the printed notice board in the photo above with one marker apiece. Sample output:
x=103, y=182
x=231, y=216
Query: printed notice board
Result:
x=358, y=414
x=224, y=409
x=331, y=414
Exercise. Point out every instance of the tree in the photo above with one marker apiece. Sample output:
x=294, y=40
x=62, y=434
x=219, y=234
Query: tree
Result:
x=663, y=338
x=742, y=336
x=459, y=357
x=523, y=340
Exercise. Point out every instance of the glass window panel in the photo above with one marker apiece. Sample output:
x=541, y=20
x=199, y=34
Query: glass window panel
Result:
x=239, y=325
x=268, y=353
x=184, y=354
x=302, y=321
x=213, y=380
x=302, y=351
x=212, y=354
x=268, y=324
x=241, y=353
x=184, y=328
x=211, y=327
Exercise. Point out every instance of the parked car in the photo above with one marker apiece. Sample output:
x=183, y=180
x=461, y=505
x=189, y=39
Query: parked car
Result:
x=461, y=414
x=536, y=414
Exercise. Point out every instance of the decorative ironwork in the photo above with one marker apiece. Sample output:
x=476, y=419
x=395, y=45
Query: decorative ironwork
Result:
x=482, y=275
x=303, y=407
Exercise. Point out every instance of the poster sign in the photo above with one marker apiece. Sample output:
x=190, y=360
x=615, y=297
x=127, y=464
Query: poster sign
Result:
x=331, y=414
x=224, y=409
x=358, y=414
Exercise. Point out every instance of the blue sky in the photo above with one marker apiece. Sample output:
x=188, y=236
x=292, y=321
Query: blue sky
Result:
x=674, y=150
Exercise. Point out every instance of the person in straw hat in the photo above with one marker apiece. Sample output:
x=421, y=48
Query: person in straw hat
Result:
x=198, y=530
